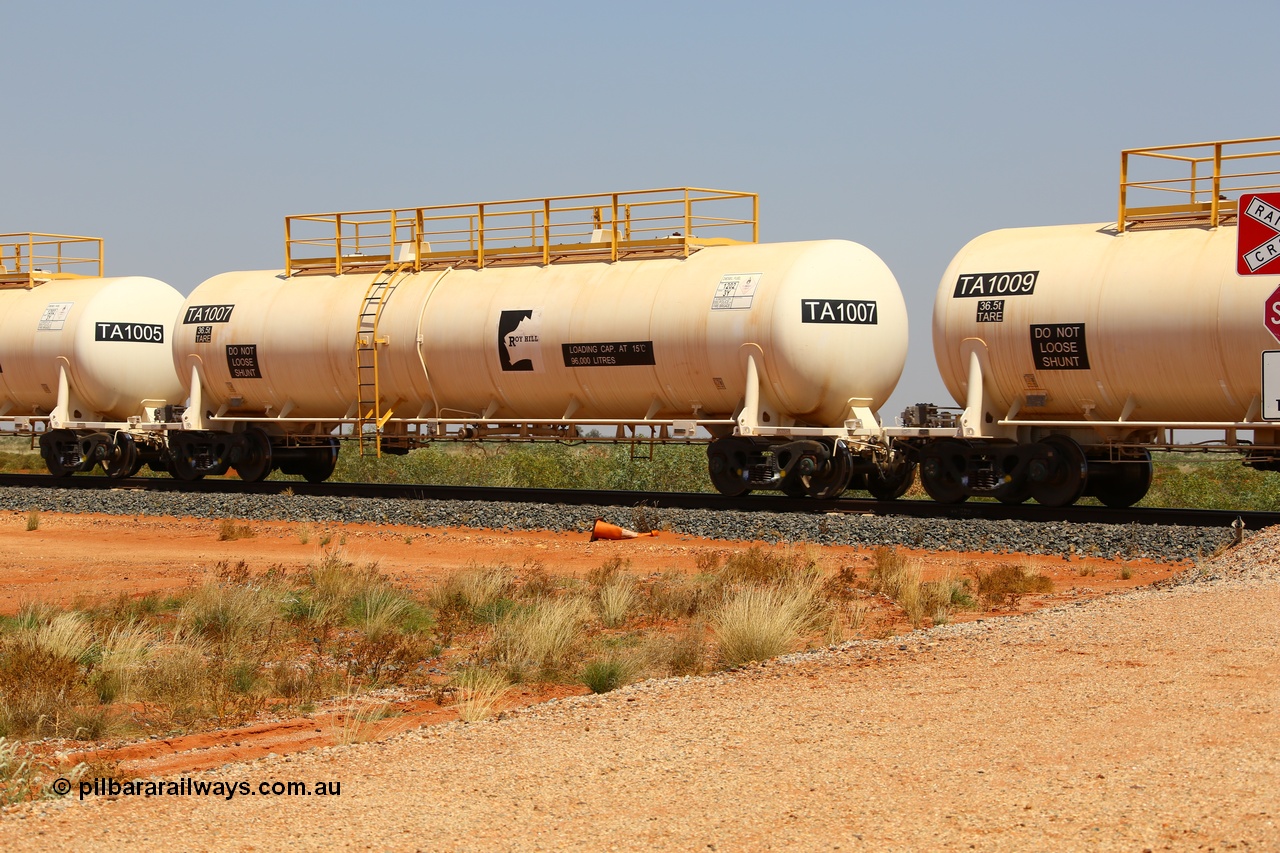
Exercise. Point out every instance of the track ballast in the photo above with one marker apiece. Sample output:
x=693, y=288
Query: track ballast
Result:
x=772, y=502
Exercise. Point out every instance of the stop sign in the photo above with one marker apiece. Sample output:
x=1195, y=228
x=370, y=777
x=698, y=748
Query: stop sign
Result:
x=1271, y=314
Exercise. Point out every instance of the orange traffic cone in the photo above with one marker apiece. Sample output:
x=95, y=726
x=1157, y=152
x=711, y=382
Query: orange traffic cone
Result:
x=604, y=530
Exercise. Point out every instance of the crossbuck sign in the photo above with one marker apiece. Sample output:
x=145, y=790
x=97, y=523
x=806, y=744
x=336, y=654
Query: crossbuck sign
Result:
x=1258, y=246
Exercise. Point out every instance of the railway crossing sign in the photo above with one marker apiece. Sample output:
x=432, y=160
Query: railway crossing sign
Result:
x=1258, y=237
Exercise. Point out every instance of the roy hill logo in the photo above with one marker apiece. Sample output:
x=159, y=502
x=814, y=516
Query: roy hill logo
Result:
x=518, y=345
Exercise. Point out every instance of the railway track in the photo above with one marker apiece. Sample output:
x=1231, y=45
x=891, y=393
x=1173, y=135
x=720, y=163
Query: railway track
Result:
x=772, y=502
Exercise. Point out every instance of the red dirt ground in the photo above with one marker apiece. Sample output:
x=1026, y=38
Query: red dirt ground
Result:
x=85, y=559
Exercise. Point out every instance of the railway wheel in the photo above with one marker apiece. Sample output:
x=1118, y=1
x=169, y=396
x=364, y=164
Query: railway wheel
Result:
x=182, y=465
x=255, y=461
x=1125, y=483
x=123, y=460
x=53, y=444
x=820, y=480
x=798, y=462
x=891, y=482
x=830, y=481
x=322, y=462
x=794, y=487
x=1059, y=472
x=942, y=467
x=727, y=465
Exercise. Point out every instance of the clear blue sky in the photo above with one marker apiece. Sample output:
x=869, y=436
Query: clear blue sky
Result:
x=183, y=133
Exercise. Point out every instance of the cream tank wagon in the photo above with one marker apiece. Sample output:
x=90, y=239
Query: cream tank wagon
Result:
x=85, y=359
x=645, y=316
x=1076, y=350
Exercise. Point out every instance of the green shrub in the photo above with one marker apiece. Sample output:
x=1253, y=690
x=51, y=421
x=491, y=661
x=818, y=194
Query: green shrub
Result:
x=606, y=674
x=1210, y=482
x=544, y=465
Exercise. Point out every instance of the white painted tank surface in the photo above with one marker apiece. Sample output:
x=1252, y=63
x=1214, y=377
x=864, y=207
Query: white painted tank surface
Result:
x=657, y=338
x=1081, y=323
x=111, y=337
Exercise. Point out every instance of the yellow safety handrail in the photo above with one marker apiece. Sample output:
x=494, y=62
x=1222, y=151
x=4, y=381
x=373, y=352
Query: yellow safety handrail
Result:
x=1200, y=183
x=671, y=221
x=29, y=257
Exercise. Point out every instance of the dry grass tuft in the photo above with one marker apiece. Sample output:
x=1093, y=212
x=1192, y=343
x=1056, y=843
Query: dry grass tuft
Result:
x=607, y=571
x=683, y=653
x=468, y=593
x=378, y=610
x=33, y=520
x=616, y=599
x=67, y=635
x=19, y=773
x=177, y=676
x=229, y=530
x=759, y=567
x=676, y=596
x=757, y=623
x=358, y=720
x=480, y=693
x=1006, y=583
x=229, y=613
x=541, y=634
x=898, y=577
x=40, y=690
x=123, y=654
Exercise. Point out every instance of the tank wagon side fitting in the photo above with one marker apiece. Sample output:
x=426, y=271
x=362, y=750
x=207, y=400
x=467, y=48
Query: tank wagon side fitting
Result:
x=1077, y=350
x=84, y=365
x=639, y=317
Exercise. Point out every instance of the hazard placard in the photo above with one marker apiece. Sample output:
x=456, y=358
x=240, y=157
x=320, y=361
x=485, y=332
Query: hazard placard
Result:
x=1258, y=238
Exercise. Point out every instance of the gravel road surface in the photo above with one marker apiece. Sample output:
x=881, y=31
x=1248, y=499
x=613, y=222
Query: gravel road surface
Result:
x=1142, y=721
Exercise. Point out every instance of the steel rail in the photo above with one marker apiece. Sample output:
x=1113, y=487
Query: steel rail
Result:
x=923, y=509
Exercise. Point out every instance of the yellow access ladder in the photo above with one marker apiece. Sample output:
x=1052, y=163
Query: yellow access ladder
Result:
x=368, y=393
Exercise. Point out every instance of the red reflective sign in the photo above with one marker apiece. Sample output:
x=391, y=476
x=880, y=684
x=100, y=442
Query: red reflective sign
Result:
x=1258, y=240
x=1271, y=314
